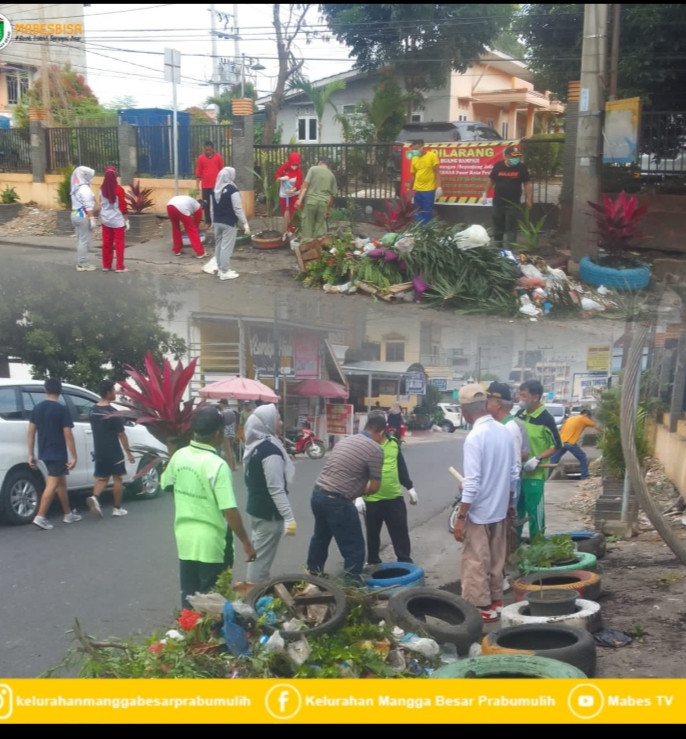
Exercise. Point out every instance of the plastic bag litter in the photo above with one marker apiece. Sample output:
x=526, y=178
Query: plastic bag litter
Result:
x=590, y=304
x=528, y=308
x=295, y=624
x=404, y=245
x=275, y=643
x=602, y=290
x=389, y=239
x=298, y=651
x=174, y=634
x=475, y=650
x=427, y=647
x=448, y=653
x=244, y=611
x=529, y=270
x=611, y=638
x=212, y=603
x=472, y=237
x=234, y=635
x=396, y=660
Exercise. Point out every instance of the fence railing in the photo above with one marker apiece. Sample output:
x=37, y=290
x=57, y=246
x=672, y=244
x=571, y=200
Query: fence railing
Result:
x=96, y=148
x=663, y=145
x=15, y=150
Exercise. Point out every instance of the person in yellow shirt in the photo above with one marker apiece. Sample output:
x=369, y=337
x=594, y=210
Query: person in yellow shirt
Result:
x=571, y=432
x=426, y=181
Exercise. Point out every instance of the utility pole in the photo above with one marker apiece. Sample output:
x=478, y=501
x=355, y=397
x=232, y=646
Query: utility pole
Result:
x=589, y=145
x=215, y=61
x=614, y=51
x=45, y=72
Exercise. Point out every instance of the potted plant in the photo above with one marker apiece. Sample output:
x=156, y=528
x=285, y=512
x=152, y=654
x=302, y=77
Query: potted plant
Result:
x=143, y=225
x=271, y=237
x=617, y=222
x=9, y=204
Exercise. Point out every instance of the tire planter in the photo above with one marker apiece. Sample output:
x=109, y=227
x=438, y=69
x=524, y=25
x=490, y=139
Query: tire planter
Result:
x=552, y=601
x=460, y=621
x=582, y=561
x=634, y=278
x=399, y=575
x=269, y=242
x=331, y=596
x=508, y=666
x=565, y=643
x=586, y=616
x=587, y=584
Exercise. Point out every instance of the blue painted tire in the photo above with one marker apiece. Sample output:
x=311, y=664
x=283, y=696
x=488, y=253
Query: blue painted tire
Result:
x=590, y=541
x=635, y=278
x=384, y=576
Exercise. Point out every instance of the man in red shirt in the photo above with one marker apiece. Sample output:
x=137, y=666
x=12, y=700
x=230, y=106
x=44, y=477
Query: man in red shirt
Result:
x=206, y=171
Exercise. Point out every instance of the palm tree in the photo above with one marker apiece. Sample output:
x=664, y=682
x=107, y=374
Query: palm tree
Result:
x=318, y=96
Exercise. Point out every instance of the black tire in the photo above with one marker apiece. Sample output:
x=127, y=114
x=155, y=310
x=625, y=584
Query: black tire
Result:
x=508, y=666
x=565, y=643
x=315, y=450
x=591, y=542
x=333, y=595
x=148, y=485
x=587, y=584
x=461, y=622
x=617, y=279
x=448, y=427
x=21, y=494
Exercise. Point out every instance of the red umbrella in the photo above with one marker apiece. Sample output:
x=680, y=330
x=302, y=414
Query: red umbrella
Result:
x=319, y=389
x=240, y=388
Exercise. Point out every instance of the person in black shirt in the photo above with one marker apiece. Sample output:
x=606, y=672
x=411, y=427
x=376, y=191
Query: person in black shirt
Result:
x=507, y=178
x=108, y=439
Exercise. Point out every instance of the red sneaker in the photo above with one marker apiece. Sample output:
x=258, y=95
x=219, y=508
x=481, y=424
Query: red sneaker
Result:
x=490, y=616
x=497, y=606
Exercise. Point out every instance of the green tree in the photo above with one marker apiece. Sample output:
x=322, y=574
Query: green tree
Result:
x=320, y=97
x=423, y=41
x=386, y=111
x=652, y=45
x=72, y=102
x=81, y=332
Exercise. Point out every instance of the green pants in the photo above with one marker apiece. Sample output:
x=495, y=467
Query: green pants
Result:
x=313, y=222
x=531, y=504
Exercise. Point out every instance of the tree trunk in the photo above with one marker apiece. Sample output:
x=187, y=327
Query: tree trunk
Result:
x=4, y=365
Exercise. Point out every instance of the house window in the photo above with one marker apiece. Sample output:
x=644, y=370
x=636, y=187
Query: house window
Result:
x=395, y=351
x=416, y=118
x=504, y=127
x=307, y=129
x=17, y=85
x=351, y=109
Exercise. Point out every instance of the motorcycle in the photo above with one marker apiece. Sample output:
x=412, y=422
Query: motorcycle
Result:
x=304, y=441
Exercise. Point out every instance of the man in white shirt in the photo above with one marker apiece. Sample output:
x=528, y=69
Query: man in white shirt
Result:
x=490, y=479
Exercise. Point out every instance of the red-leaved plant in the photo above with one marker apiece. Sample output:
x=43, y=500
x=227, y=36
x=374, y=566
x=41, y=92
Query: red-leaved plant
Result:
x=139, y=198
x=399, y=214
x=617, y=222
x=156, y=400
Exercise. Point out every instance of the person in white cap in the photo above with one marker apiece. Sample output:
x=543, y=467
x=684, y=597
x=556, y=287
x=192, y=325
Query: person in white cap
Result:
x=490, y=479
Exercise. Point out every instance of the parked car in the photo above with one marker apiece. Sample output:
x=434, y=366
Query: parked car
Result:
x=21, y=486
x=434, y=133
x=558, y=411
x=452, y=417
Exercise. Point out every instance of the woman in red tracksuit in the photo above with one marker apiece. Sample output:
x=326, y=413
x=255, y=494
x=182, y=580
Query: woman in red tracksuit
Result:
x=290, y=177
x=183, y=209
x=114, y=222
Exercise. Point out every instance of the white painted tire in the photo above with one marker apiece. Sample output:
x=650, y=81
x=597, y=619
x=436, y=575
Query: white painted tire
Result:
x=587, y=616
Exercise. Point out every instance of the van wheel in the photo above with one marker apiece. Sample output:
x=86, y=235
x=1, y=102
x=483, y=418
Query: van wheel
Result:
x=20, y=497
x=448, y=427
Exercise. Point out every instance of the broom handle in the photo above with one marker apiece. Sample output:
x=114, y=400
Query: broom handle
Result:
x=456, y=474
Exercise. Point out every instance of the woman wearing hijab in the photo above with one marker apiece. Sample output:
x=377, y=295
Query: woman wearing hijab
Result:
x=227, y=210
x=82, y=215
x=395, y=420
x=268, y=471
x=291, y=178
x=114, y=222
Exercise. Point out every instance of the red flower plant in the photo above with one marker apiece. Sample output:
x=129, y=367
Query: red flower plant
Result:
x=156, y=648
x=188, y=619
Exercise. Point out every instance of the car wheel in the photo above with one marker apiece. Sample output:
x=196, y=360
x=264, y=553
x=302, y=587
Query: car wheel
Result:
x=443, y=616
x=447, y=427
x=508, y=666
x=315, y=450
x=20, y=496
x=574, y=646
x=146, y=486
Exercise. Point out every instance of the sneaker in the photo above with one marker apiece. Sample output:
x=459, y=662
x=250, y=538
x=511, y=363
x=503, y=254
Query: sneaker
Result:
x=121, y=271
x=204, y=255
x=85, y=268
x=489, y=616
x=119, y=511
x=43, y=523
x=72, y=517
x=497, y=606
x=107, y=269
x=94, y=505
x=229, y=275
x=177, y=253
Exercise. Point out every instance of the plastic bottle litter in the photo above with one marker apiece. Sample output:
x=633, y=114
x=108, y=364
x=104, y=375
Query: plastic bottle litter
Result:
x=529, y=270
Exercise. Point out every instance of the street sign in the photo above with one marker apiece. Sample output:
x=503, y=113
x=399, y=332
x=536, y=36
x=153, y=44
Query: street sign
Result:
x=415, y=383
x=172, y=66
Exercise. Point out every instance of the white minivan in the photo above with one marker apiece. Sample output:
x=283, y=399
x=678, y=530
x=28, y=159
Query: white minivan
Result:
x=21, y=486
x=452, y=416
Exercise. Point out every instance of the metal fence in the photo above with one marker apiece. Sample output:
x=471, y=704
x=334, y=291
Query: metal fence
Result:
x=155, y=148
x=663, y=145
x=15, y=150
x=96, y=148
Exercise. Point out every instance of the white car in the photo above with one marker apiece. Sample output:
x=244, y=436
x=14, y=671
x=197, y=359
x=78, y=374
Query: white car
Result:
x=558, y=411
x=21, y=487
x=452, y=416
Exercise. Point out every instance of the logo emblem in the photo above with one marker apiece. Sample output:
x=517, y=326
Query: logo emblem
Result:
x=283, y=701
x=5, y=31
x=6, y=705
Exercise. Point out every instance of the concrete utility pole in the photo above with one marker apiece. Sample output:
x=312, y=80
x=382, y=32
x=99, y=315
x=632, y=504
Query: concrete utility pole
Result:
x=215, y=61
x=589, y=145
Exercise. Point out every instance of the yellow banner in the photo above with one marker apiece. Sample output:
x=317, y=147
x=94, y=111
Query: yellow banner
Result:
x=475, y=701
x=598, y=358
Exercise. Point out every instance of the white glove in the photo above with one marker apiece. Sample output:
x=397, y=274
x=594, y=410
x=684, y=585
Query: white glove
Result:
x=484, y=200
x=439, y=193
x=360, y=505
x=413, y=496
x=290, y=528
x=531, y=464
x=127, y=225
x=246, y=230
x=94, y=222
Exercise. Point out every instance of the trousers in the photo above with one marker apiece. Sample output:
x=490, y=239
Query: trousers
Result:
x=393, y=513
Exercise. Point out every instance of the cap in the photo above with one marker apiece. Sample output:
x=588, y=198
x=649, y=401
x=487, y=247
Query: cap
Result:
x=472, y=393
x=512, y=151
x=499, y=390
x=206, y=420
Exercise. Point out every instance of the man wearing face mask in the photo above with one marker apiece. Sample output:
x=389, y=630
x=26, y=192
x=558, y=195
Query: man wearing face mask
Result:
x=426, y=181
x=507, y=179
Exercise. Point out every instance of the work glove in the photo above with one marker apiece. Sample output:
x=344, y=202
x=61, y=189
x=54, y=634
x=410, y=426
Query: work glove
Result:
x=413, y=496
x=360, y=505
x=531, y=464
x=127, y=225
x=246, y=230
x=94, y=223
x=484, y=200
x=291, y=527
x=439, y=192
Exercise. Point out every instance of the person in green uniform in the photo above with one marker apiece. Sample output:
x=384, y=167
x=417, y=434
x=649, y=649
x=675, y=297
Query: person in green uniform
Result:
x=544, y=441
x=315, y=199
